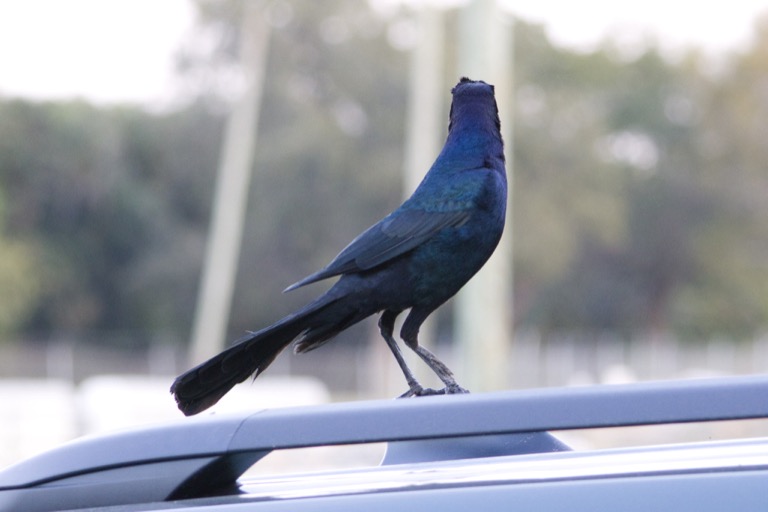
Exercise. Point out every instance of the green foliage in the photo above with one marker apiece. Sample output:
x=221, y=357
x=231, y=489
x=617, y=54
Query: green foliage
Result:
x=639, y=185
x=106, y=198
x=20, y=284
x=637, y=189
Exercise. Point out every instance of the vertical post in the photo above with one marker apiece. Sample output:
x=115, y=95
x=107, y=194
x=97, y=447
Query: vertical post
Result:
x=231, y=192
x=484, y=306
x=425, y=130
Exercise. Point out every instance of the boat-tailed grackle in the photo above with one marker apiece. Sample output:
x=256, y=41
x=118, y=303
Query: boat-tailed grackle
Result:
x=416, y=258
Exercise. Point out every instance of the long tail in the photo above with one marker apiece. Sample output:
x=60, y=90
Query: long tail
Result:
x=205, y=384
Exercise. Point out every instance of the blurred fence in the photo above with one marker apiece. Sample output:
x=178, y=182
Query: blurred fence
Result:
x=581, y=359
x=353, y=369
x=535, y=360
x=50, y=393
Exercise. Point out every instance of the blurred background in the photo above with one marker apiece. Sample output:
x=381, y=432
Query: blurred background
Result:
x=637, y=243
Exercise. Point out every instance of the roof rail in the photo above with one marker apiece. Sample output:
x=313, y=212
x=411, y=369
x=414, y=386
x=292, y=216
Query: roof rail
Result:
x=200, y=456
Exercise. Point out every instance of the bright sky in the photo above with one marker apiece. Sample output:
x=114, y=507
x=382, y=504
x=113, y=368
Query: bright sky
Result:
x=714, y=26
x=104, y=50
x=123, y=50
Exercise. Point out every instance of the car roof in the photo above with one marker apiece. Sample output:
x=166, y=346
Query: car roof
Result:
x=203, y=457
x=722, y=476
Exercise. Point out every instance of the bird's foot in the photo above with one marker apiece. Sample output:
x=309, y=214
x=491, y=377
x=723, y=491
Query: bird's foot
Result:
x=453, y=389
x=418, y=390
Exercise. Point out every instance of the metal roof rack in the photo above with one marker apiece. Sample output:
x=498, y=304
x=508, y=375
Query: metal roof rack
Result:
x=205, y=456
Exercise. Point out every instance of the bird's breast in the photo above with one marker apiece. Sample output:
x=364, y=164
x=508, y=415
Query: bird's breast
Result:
x=441, y=266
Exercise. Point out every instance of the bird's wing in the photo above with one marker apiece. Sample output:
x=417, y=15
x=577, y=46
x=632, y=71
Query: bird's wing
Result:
x=399, y=234
x=393, y=236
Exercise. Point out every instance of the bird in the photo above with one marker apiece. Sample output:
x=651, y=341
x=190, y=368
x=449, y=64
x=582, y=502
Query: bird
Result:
x=414, y=259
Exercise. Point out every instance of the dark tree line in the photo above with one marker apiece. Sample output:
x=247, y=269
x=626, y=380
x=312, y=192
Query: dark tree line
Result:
x=639, y=192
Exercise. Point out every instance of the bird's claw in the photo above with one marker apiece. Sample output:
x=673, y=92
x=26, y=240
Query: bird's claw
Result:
x=453, y=389
x=421, y=391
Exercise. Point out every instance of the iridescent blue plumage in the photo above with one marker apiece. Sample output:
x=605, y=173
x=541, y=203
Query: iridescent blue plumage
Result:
x=416, y=258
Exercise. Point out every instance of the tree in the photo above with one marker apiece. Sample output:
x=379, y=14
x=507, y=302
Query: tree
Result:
x=639, y=185
x=629, y=214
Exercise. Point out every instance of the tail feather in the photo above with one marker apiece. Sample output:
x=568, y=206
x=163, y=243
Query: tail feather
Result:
x=204, y=385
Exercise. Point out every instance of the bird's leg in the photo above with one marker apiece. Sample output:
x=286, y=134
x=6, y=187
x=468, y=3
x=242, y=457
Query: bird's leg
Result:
x=409, y=334
x=442, y=371
x=387, y=327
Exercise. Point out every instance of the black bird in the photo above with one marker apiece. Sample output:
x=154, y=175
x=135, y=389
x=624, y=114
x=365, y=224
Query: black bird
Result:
x=416, y=258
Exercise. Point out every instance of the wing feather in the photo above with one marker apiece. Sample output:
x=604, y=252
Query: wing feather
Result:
x=395, y=235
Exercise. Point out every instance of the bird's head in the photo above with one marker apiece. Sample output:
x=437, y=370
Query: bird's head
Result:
x=467, y=86
x=472, y=98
